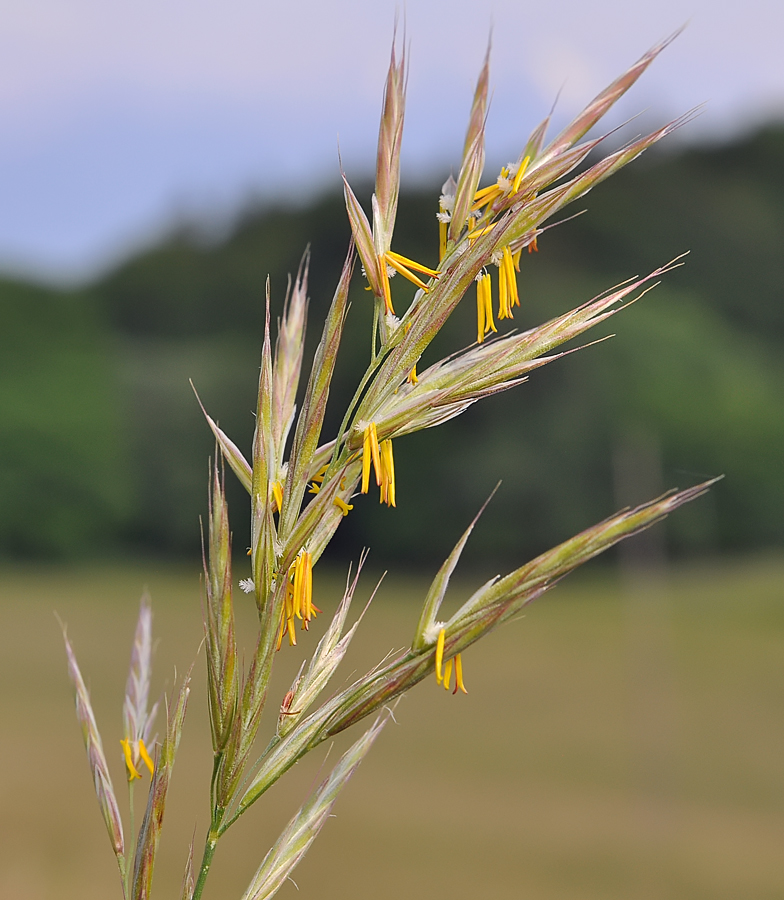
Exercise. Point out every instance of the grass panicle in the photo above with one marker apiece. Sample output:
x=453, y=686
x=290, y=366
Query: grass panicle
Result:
x=299, y=498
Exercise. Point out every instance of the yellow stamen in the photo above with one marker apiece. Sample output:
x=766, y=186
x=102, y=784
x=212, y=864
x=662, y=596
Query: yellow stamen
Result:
x=440, y=654
x=516, y=259
x=511, y=279
x=410, y=264
x=399, y=267
x=370, y=452
x=473, y=234
x=374, y=451
x=484, y=308
x=480, y=310
x=298, y=587
x=459, y=675
x=366, y=460
x=520, y=172
x=493, y=193
x=489, y=323
x=483, y=192
x=533, y=247
x=387, y=486
x=298, y=601
x=412, y=376
x=343, y=506
x=385, y=285
x=503, y=295
x=132, y=773
x=308, y=586
x=314, y=489
x=447, y=673
x=146, y=757
x=277, y=494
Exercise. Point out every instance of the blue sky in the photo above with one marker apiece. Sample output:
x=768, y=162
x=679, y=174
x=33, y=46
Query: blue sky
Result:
x=122, y=116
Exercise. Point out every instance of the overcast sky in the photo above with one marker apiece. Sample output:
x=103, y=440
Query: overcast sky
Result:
x=119, y=116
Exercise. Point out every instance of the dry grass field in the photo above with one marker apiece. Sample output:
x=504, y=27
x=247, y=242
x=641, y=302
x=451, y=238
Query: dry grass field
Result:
x=619, y=741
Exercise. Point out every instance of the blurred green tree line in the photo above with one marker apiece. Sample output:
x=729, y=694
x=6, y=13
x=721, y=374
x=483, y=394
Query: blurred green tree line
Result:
x=103, y=448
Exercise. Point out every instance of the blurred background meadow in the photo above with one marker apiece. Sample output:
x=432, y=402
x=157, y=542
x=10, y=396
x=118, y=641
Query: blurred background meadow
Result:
x=157, y=164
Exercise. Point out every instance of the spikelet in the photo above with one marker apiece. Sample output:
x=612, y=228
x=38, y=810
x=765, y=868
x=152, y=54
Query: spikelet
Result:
x=138, y=719
x=102, y=781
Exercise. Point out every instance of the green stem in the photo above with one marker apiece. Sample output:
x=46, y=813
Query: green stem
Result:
x=206, y=861
x=354, y=401
x=131, y=840
x=214, y=833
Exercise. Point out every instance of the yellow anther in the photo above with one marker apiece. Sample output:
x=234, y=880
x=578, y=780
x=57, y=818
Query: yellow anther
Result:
x=484, y=308
x=511, y=280
x=308, y=587
x=444, y=668
x=132, y=773
x=344, y=507
x=410, y=264
x=385, y=285
x=370, y=452
x=447, y=674
x=507, y=286
x=277, y=496
x=146, y=757
x=485, y=191
x=440, y=654
x=520, y=172
x=298, y=587
x=298, y=601
x=459, y=675
x=473, y=233
x=387, y=486
x=485, y=201
x=504, y=312
x=399, y=267
x=412, y=376
x=291, y=632
x=494, y=192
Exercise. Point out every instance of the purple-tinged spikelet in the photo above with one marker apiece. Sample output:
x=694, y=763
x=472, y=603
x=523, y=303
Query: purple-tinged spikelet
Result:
x=102, y=781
